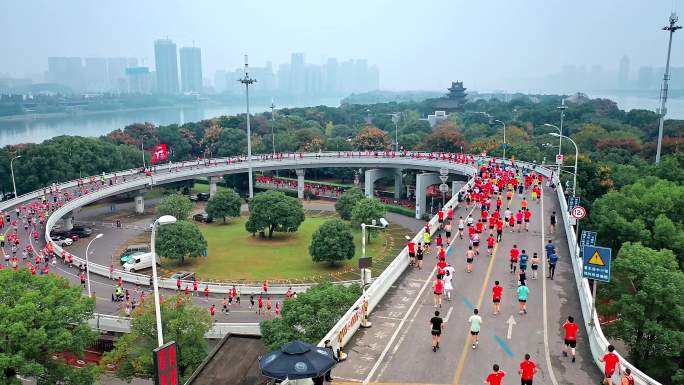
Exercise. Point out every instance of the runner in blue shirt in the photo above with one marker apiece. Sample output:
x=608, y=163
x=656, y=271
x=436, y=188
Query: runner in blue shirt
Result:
x=550, y=248
x=553, y=260
x=523, y=260
x=523, y=291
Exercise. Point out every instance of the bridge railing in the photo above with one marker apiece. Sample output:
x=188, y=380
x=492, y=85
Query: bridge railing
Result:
x=218, y=330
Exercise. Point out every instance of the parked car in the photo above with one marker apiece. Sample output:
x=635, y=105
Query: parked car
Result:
x=64, y=234
x=193, y=198
x=202, y=217
x=62, y=240
x=81, y=231
x=127, y=257
x=203, y=197
x=139, y=262
x=183, y=275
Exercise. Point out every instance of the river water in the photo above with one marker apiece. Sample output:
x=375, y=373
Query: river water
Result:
x=38, y=129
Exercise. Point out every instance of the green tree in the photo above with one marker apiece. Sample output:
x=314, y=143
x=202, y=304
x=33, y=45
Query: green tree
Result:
x=371, y=138
x=225, y=203
x=176, y=205
x=180, y=240
x=333, y=241
x=647, y=296
x=310, y=316
x=231, y=142
x=346, y=202
x=39, y=317
x=273, y=211
x=445, y=137
x=366, y=211
x=182, y=322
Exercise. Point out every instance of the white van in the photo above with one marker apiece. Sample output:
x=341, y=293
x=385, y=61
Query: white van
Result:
x=139, y=262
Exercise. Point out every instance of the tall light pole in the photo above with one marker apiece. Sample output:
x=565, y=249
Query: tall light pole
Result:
x=98, y=236
x=663, y=92
x=273, y=106
x=395, y=120
x=574, y=178
x=504, y=137
x=14, y=185
x=247, y=81
x=161, y=221
x=142, y=149
x=560, y=135
x=562, y=109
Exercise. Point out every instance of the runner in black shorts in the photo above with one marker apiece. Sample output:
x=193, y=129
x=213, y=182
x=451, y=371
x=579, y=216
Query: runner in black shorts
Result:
x=419, y=256
x=552, y=222
x=436, y=326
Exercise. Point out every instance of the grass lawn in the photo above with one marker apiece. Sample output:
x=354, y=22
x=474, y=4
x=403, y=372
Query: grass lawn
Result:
x=235, y=255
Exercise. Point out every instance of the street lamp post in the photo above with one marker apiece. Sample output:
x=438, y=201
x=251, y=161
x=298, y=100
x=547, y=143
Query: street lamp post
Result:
x=504, y=137
x=395, y=120
x=247, y=81
x=562, y=109
x=98, y=236
x=560, y=135
x=574, y=178
x=142, y=149
x=663, y=92
x=273, y=125
x=161, y=221
x=14, y=185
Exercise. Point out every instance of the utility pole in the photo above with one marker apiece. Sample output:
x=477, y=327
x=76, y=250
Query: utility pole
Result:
x=663, y=91
x=562, y=109
x=247, y=81
x=273, y=106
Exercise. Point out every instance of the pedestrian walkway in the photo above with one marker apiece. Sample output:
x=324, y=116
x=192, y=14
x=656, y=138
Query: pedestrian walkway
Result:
x=397, y=348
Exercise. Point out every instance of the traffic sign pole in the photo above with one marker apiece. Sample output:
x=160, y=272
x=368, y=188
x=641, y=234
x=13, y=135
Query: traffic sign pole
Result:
x=593, y=302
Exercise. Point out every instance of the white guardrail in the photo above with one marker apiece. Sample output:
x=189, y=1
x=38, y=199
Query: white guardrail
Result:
x=218, y=330
x=345, y=328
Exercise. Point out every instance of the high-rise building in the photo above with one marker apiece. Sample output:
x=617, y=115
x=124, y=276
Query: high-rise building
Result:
x=191, y=69
x=623, y=72
x=116, y=72
x=284, y=77
x=95, y=74
x=138, y=80
x=331, y=76
x=166, y=65
x=67, y=71
x=297, y=73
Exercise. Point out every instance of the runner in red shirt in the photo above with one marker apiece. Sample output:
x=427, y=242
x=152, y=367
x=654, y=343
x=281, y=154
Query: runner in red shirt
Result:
x=441, y=265
x=491, y=241
x=612, y=360
x=411, y=251
x=515, y=253
x=441, y=254
x=440, y=218
x=194, y=286
x=212, y=312
x=527, y=215
x=496, y=376
x=450, y=214
x=570, y=337
x=178, y=283
x=497, y=293
x=206, y=292
x=499, y=229
x=527, y=371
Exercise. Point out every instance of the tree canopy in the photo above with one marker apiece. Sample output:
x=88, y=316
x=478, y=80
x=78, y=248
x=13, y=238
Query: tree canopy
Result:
x=176, y=205
x=273, y=211
x=346, y=202
x=180, y=240
x=371, y=138
x=182, y=322
x=366, y=211
x=333, y=241
x=225, y=203
x=310, y=315
x=41, y=316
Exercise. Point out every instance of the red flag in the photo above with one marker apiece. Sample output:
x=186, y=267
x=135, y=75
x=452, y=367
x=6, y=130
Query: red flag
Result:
x=160, y=153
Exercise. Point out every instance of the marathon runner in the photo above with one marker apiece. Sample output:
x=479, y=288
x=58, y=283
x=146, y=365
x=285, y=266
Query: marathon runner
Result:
x=436, y=327
x=570, y=337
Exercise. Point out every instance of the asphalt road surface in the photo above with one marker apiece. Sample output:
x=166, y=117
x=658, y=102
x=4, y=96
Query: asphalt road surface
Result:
x=397, y=348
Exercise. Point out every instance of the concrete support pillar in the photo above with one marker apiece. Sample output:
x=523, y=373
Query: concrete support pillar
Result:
x=139, y=203
x=372, y=175
x=300, y=182
x=213, y=180
x=398, y=183
x=422, y=182
x=69, y=221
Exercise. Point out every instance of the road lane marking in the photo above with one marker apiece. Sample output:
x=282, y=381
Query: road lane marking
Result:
x=467, y=302
x=446, y=319
x=383, y=317
x=552, y=375
x=504, y=346
x=464, y=353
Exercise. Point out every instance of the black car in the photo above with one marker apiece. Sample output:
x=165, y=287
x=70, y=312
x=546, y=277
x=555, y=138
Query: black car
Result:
x=81, y=231
x=203, y=217
x=203, y=197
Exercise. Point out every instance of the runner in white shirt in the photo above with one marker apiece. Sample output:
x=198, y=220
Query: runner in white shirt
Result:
x=461, y=226
x=449, y=272
x=470, y=220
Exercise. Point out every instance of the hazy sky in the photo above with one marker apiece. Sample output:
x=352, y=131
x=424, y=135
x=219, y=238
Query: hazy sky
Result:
x=417, y=44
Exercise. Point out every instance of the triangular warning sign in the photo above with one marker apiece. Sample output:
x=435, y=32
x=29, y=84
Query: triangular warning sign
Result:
x=596, y=259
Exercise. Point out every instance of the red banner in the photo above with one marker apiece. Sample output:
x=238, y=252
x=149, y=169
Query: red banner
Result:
x=160, y=153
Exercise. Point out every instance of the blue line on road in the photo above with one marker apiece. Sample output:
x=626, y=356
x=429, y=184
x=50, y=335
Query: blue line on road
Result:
x=467, y=302
x=504, y=346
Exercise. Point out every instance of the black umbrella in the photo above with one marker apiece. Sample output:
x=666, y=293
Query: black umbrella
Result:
x=296, y=360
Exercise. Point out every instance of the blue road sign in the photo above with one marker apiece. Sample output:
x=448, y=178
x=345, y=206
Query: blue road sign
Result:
x=588, y=238
x=504, y=145
x=572, y=202
x=596, y=263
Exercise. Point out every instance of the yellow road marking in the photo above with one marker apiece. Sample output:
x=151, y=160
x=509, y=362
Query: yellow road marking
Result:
x=464, y=353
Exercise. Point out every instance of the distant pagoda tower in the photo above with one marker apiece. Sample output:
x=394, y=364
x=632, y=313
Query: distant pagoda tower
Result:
x=454, y=100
